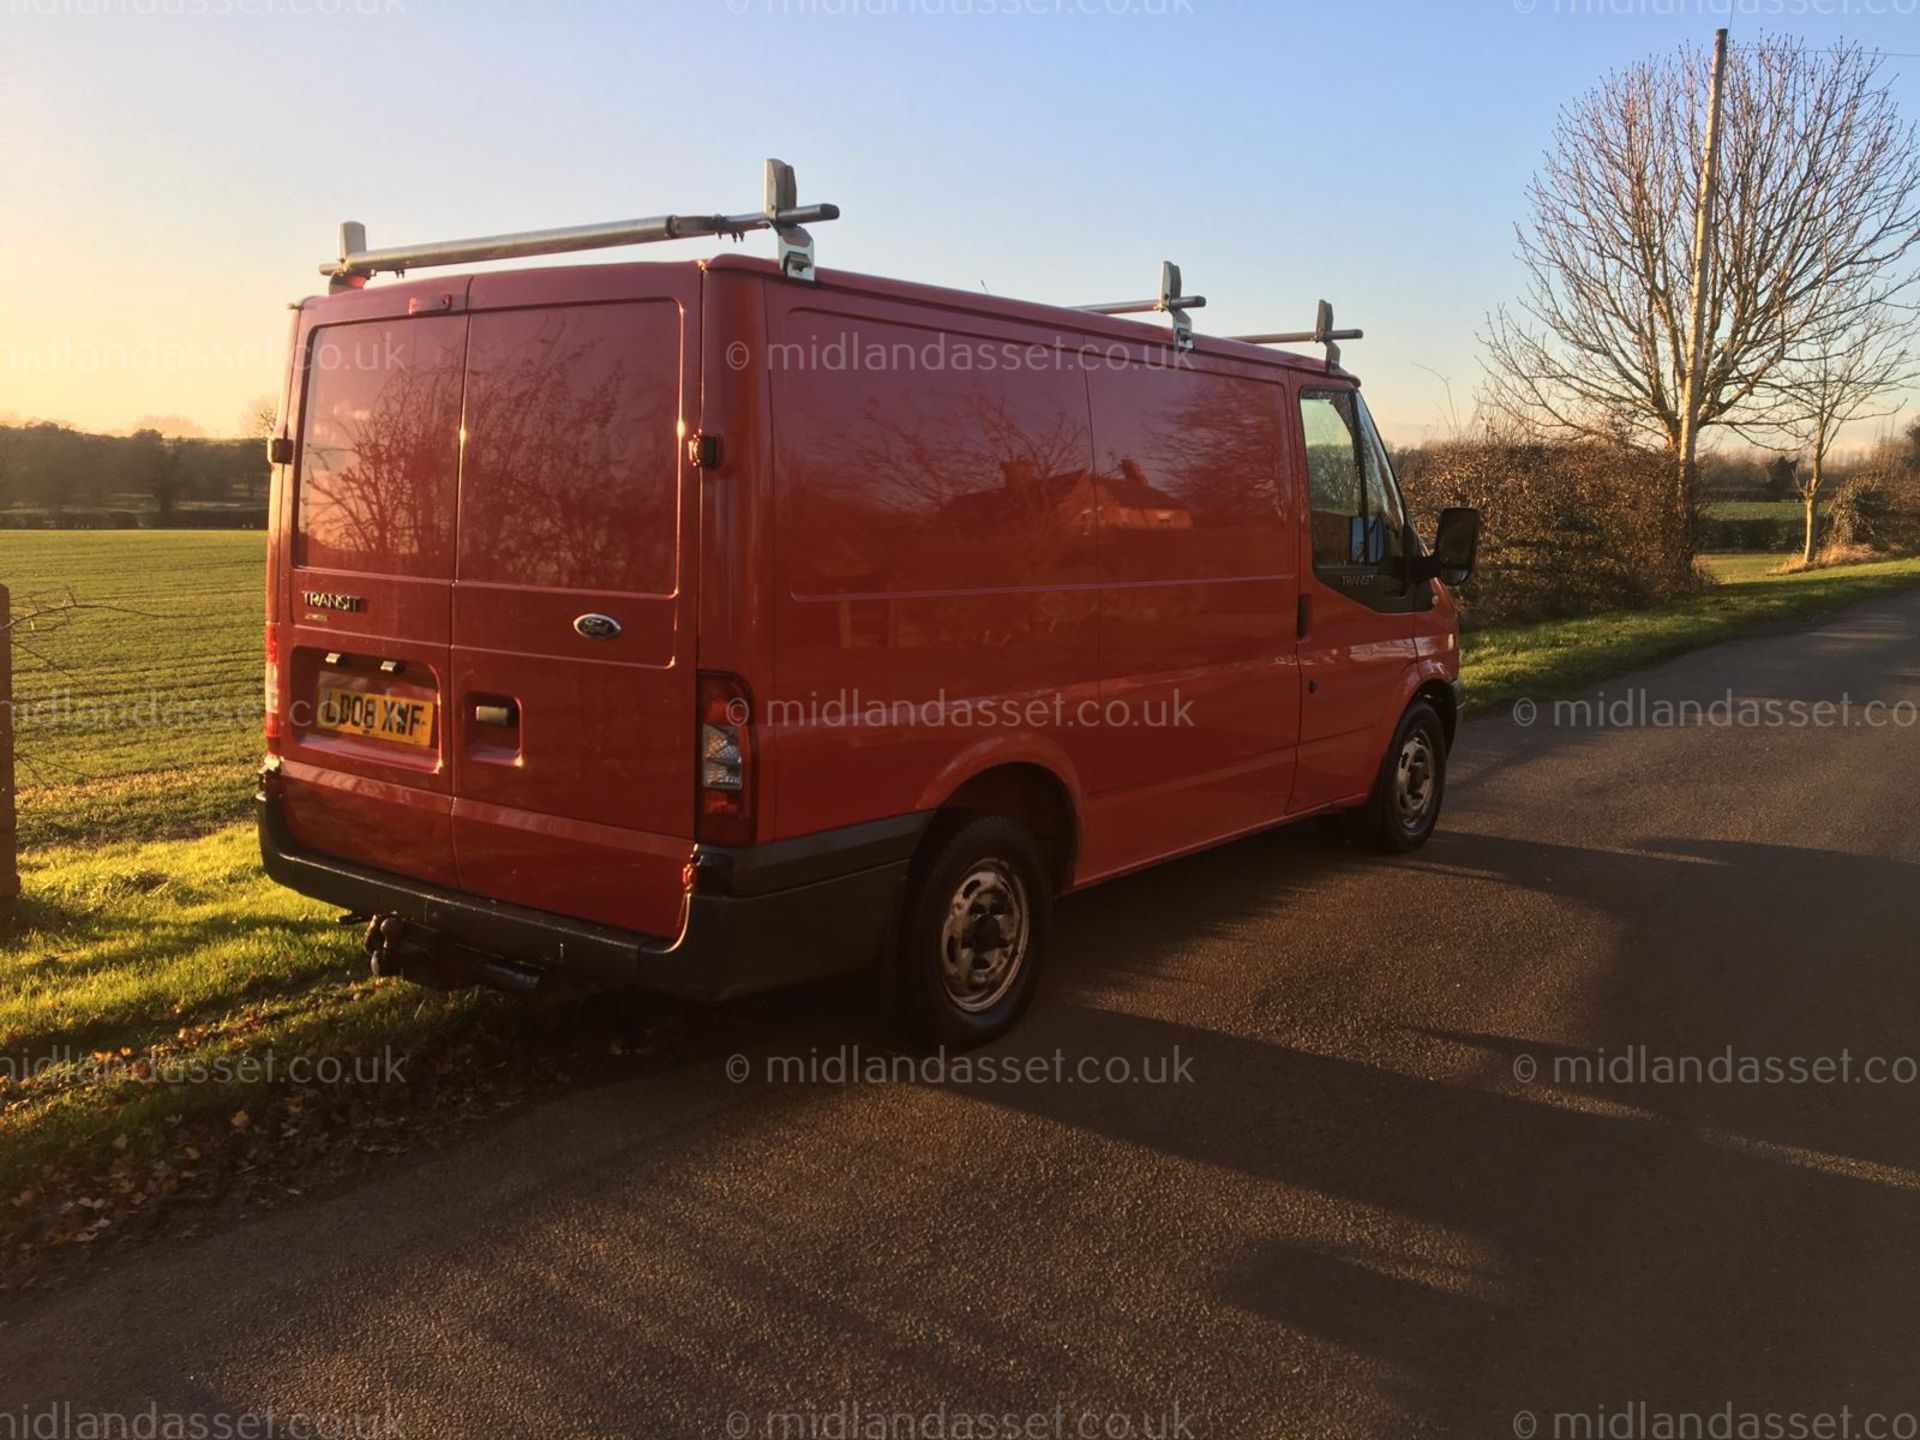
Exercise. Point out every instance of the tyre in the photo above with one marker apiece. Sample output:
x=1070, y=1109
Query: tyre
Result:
x=978, y=913
x=1405, y=804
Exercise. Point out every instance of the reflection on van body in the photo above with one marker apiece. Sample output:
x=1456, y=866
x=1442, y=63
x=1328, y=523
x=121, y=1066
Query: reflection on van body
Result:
x=616, y=563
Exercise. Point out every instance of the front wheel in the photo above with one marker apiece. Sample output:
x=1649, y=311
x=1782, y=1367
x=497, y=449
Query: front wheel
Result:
x=1405, y=804
x=977, y=920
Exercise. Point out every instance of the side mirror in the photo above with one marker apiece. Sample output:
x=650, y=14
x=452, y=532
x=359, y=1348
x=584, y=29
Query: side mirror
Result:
x=1456, y=546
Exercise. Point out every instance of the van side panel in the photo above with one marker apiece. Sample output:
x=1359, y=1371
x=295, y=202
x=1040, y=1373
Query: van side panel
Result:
x=934, y=562
x=1199, y=689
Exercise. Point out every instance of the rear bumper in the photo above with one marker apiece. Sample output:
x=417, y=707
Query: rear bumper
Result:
x=758, y=918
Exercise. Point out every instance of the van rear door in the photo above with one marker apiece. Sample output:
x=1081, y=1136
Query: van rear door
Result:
x=572, y=714
x=370, y=527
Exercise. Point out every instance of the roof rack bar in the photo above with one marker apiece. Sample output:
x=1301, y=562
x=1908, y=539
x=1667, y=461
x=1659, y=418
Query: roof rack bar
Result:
x=1322, y=333
x=780, y=214
x=1169, y=301
x=1300, y=337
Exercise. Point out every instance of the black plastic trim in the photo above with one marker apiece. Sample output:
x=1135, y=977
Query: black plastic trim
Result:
x=807, y=859
x=816, y=906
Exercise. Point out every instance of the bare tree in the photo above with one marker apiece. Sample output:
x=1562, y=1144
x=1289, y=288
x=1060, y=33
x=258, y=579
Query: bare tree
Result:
x=1851, y=376
x=1817, y=210
x=260, y=418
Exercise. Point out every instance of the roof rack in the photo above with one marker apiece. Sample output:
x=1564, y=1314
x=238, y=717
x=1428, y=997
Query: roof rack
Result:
x=782, y=213
x=1169, y=300
x=1322, y=333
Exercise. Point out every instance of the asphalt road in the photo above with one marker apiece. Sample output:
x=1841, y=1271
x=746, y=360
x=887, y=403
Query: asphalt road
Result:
x=1380, y=1187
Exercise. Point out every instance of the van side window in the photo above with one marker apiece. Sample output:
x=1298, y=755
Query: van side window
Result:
x=1357, y=518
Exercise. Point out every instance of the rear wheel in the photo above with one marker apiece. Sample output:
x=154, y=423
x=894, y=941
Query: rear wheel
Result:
x=1405, y=804
x=977, y=919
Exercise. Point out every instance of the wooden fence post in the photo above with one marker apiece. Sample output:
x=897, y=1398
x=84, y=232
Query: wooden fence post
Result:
x=9, y=872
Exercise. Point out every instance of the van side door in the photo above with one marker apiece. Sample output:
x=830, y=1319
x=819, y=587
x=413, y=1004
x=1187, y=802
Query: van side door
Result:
x=1199, y=571
x=1357, y=603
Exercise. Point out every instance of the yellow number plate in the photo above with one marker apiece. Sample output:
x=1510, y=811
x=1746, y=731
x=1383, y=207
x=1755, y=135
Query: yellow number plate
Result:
x=379, y=717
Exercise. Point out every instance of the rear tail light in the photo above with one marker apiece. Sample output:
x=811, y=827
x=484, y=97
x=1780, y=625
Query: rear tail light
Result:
x=724, y=757
x=275, y=711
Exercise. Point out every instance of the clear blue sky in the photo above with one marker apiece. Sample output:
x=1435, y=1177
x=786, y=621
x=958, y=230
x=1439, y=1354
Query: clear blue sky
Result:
x=171, y=171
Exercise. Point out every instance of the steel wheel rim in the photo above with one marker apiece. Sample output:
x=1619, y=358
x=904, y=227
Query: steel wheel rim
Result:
x=1416, y=780
x=985, y=936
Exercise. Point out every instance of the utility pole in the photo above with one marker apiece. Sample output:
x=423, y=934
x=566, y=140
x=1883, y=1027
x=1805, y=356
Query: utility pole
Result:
x=1687, y=480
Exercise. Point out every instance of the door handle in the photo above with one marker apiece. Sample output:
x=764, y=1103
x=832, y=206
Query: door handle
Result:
x=501, y=712
x=1303, y=617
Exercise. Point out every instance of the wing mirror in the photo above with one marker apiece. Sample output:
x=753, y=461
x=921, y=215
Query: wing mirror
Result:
x=1456, y=546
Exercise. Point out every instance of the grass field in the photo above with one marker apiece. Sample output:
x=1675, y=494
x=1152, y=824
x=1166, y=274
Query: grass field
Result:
x=1733, y=566
x=141, y=720
x=150, y=947
x=1755, y=510
x=167, y=1009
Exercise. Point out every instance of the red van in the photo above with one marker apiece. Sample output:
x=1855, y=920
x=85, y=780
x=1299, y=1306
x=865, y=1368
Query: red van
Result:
x=717, y=625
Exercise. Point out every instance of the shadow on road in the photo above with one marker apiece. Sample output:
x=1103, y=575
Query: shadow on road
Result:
x=1627, y=1220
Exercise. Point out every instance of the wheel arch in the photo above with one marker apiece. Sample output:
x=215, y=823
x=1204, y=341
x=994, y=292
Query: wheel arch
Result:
x=1029, y=791
x=1438, y=692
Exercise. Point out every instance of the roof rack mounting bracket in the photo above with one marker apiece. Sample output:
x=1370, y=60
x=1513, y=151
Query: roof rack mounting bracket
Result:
x=1169, y=302
x=781, y=213
x=353, y=241
x=1322, y=333
x=795, y=244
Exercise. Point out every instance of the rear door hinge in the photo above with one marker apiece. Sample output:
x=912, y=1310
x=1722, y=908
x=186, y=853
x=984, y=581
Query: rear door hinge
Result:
x=703, y=450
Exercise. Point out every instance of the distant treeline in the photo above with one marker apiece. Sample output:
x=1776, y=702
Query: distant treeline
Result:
x=53, y=475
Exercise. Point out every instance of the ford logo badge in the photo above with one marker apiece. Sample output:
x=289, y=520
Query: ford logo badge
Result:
x=597, y=627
